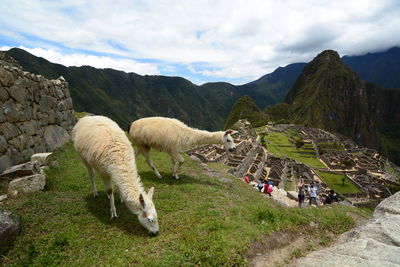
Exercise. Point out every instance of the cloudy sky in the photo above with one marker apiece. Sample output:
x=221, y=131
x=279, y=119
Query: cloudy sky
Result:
x=222, y=40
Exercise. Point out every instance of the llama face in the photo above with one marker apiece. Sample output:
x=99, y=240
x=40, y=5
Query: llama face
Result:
x=148, y=215
x=228, y=140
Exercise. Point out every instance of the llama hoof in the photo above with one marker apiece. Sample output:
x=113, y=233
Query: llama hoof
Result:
x=160, y=177
x=176, y=177
x=95, y=194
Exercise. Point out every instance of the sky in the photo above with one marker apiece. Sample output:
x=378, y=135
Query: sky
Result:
x=235, y=41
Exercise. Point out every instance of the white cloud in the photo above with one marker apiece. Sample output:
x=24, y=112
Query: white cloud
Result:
x=76, y=59
x=235, y=38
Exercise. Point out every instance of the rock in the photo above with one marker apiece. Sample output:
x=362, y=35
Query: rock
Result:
x=5, y=161
x=55, y=136
x=21, y=170
x=6, y=77
x=10, y=227
x=41, y=158
x=28, y=184
x=293, y=195
x=3, y=144
x=11, y=111
x=374, y=243
x=3, y=197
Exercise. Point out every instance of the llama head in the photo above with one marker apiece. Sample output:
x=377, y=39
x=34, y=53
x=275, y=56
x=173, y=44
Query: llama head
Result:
x=147, y=215
x=227, y=140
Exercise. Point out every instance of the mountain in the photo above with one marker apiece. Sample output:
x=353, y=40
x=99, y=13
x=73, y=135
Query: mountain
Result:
x=278, y=83
x=382, y=68
x=125, y=97
x=245, y=108
x=329, y=95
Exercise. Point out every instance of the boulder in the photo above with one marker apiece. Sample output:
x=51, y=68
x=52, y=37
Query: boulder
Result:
x=41, y=158
x=3, y=197
x=21, y=170
x=293, y=195
x=374, y=243
x=28, y=184
x=10, y=227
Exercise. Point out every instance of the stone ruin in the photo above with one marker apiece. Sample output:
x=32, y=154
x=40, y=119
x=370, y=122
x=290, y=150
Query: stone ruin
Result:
x=36, y=114
x=365, y=167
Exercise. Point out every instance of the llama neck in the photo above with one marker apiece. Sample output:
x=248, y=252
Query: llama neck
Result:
x=204, y=137
x=129, y=185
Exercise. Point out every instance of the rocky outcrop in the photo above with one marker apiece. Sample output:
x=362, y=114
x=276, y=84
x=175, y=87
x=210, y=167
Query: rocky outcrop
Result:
x=36, y=114
x=10, y=226
x=375, y=243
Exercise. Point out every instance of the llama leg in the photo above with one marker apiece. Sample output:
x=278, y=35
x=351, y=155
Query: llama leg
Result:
x=146, y=153
x=91, y=177
x=177, y=161
x=110, y=194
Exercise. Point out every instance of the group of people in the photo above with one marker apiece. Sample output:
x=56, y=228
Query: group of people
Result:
x=263, y=185
x=313, y=195
x=267, y=187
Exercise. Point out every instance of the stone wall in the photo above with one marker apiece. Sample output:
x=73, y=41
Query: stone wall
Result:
x=36, y=114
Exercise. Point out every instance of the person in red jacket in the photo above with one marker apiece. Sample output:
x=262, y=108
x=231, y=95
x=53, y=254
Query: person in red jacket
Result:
x=246, y=179
x=268, y=189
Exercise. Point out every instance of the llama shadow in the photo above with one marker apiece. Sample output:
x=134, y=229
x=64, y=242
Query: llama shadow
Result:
x=169, y=180
x=126, y=221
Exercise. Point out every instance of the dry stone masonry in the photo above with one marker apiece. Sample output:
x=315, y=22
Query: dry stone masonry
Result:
x=36, y=114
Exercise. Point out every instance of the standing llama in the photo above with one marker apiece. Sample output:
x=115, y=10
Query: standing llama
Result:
x=172, y=136
x=103, y=146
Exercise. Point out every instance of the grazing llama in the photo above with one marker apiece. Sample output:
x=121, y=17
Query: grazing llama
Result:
x=103, y=146
x=172, y=136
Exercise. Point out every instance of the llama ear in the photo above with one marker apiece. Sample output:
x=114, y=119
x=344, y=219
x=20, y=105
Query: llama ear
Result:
x=141, y=200
x=150, y=193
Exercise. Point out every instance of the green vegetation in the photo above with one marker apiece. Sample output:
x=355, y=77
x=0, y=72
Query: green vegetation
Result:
x=334, y=181
x=245, y=108
x=279, y=144
x=204, y=221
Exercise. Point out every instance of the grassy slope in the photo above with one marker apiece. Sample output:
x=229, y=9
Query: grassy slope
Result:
x=281, y=145
x=203, y=220
x=334, y=181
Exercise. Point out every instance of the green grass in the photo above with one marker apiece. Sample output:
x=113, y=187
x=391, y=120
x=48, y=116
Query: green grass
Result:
x=275, y=147
x=204, y=221
x=334, y=181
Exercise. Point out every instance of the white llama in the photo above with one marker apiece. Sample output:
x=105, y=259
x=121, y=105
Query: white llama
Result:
x=103, y=146
x=172, y=136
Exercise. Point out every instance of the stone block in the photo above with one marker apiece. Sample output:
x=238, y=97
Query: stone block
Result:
x=17, y=91
x=12, y=111
x=55, y=136
x=6, y=77
x=3, y=95
x=41, y=158
x=10, y=227
x=27, y=184
x=21, y=170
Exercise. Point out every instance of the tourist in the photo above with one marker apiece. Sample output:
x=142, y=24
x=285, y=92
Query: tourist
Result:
x=313, y=194
x=260, y=184
x=331, y=198
x=268, y=189
x=301, y=195
x=246, y=179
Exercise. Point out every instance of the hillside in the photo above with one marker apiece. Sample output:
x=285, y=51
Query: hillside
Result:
x=207, y=218
x=245, y=108
x=329, y=95
x=382, y=68
x=127, y=96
